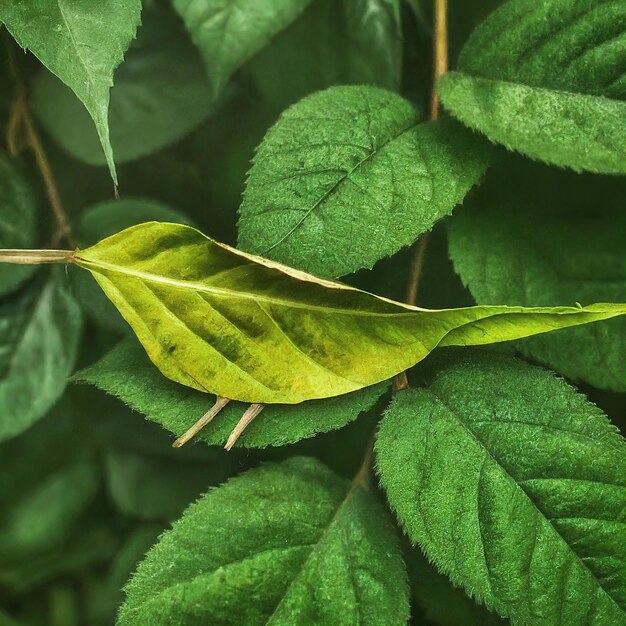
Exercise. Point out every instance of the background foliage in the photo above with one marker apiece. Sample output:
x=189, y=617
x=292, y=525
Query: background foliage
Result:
x=300, y=130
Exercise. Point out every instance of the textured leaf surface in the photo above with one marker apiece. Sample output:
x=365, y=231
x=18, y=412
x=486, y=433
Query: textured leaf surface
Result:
x=39, y=337
x=18, y=223
x=282, y=544
x=81, y=42
x=219, y=320
x=348, y=176
x=547, y=80
x=160, y=94
x=126, y=372
x=229, y=32
x=515, y=486
x=563, y=246
x=103, y=220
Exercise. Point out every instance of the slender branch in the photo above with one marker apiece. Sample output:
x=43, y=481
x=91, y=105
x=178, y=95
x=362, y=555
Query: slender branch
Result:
x=252, y=411
x=22, y=119
x=189, y=434
x=36, y=257
x=415, y=270
x=440, y=52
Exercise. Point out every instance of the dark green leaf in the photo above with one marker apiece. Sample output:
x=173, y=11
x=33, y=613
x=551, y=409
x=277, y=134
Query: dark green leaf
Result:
x=161, y=93
x=515, y=487
x=282, y=544
x=565, y=244
x=18, y=223
x=229, y=32
x=126, y=372
x=348, y=176
x=39, y=337
x=81, y=42
x=546, y=79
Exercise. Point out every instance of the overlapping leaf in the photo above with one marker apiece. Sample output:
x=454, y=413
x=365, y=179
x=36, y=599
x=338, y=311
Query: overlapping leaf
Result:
x=242, y=327
x=81, y=42
x=547, y=79
x=564, y=245
x=39, y=336
x=18, y=227
x=289, y=543
x=126, y=372
x=229, y=32
x=515, y=486
x=160, y=94
x=348, y=176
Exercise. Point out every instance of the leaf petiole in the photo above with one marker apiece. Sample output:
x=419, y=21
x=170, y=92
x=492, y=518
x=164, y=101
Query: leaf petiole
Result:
x=36, y=257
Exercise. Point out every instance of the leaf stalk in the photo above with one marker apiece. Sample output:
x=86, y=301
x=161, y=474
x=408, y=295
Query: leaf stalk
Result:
x=36, y=257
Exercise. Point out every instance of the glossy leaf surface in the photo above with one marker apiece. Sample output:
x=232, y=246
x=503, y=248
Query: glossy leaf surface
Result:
x=221, y=321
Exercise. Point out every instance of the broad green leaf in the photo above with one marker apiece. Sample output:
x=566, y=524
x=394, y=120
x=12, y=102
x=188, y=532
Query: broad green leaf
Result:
x=546, y=79
x=229, y=32
x=281, y=544
x=361, y=45
x=103, y=220
x=126, y=372
x=515, y=486
x=81, y=42
x=348, y=176
x=564, y=245
x=225, y=322
x=18, y=221
x=39, y=335
x=160, y=94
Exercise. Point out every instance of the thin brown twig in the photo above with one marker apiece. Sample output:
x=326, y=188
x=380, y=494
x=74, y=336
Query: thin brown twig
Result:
x=440, y=52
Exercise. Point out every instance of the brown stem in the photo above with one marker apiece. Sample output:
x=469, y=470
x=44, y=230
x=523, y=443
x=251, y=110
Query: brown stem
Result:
x=251, y=412
x=415, y=270
x=36, y=257
x=187, y=436
x=440, y=52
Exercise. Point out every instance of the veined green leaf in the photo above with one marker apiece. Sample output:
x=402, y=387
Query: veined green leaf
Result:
x=226, y=322
x=160, y=94
x=39, y=337
x=515, y=487
x=511, y=245
x=18, y=221
x=546, y=79
x=229, y=32
x=281, y=544
x=348, y=176
x=127, y=373
x=81, y=42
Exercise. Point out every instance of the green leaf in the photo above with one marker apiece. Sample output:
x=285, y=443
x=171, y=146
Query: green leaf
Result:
x=281, y=544
x=39, y=335
x=229, y=32
x=348, y=176
x=103, y=220
x=361, y=45
x=126, y=372
x=18, y=221
x=161, y=93
x=564, y=245
x=152, y=488
x=81, y=42
x=546, y=80
x=245, y=328
x=515, y=487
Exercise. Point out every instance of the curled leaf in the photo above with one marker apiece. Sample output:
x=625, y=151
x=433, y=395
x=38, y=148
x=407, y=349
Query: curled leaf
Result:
x=226, y=322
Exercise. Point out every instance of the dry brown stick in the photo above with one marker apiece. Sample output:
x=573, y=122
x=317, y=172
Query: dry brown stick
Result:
x=246, y=419
x=187, y=436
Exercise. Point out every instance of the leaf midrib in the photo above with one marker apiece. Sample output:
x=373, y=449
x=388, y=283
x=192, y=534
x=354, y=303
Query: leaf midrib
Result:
x=488, y=452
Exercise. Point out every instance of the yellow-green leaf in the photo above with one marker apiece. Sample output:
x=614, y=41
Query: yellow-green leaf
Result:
x=226, y=322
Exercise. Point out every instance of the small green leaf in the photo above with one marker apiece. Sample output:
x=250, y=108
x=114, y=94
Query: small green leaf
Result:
x=281, y=544
x=81, y=42
x=126, y=372
x=245, y=328
x=229, y=32
x=161, y=93
x=18, y=221
x=564, y=245
x=103, y=220
x=39, y=337
x=546, y=80
x=515, y=486
x=348, y=176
